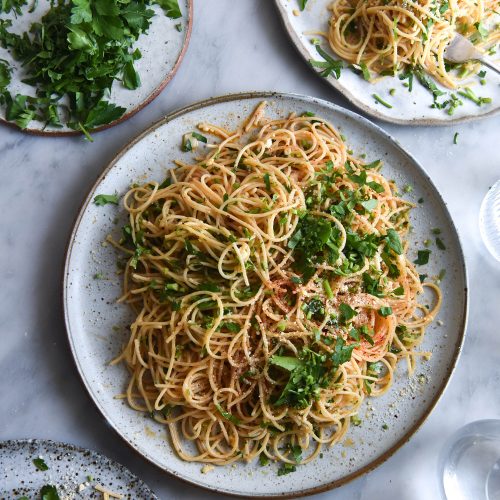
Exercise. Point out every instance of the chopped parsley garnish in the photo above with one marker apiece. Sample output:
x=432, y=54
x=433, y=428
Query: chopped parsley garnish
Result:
x=308, y=374
x=296, y=452
x=393, y=242
x=267, y=182
x=263, y=459
x=342, y=352
x=227, y=415
x=328, y=289
x=104, y=199
x=366, y=72
x=40, y=464
x=455, y=138
x=440, y=244
x=372, y=285
x=355, y=420
x=469, y=94
x=381, y=101
x=328, y=66
x=346, y=313
x=315, y=241
x=49, y=492
x=385, y=311
x=286, y=469
x=422, y=257
x=302, y=4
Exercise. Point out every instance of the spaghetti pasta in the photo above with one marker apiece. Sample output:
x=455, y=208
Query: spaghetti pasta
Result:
x=272, y=292
x=389, y=36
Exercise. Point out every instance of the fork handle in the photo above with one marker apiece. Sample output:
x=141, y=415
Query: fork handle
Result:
x=488, y=62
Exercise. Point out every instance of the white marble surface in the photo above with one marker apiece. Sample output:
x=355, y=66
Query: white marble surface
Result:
x=235, y=46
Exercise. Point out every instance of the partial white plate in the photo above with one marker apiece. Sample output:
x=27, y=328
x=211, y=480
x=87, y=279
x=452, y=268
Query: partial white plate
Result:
x=97, y=326
x=68, y=467
x=162, y=48
x=409, y=108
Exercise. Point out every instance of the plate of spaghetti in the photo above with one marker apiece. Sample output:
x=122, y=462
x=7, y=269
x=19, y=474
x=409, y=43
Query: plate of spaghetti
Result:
x=49, y=470
x=388, y=57
x=265, y=295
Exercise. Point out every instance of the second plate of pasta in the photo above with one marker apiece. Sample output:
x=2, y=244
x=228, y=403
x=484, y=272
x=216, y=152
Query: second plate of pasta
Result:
x=387, y=58
x=265, y=295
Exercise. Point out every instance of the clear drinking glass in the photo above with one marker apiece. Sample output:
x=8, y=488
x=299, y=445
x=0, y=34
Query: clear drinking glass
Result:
x=470, y=462
x=489, y=220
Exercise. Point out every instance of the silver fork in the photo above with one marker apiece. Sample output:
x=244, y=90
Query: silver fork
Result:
x=461, y=50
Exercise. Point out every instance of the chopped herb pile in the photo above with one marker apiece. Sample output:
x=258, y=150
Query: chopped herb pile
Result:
x=73, y=56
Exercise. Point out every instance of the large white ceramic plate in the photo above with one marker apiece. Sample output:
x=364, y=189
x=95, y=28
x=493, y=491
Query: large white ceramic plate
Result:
x=72, y=470
x=162, y=49
x=409, y=108
x=97, y=326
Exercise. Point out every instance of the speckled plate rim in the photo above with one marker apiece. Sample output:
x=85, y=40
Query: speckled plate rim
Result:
x=73, y=448
x=365, y=122
x=152, y=96
x=434, y=122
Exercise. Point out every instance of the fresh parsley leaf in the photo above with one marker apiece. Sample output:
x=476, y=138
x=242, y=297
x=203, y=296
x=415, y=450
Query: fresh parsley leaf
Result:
x=267, y=182
x=263, y=459
x=49, y=492
x=302, y=4
x=232, y=327
x=227, y=415
x=365, y=71
x=289, y=363
x=346, y=313
x=103, y=112
x=385, y=311
x=171, y=8
x=40, y=464
x=131, y=79
x=209, y=287
x=393, y=242
x=342, y=353
x=328, y=66
x=286, y=469
x=5, y=72
x=440, y=244
x=372, y=285
x=296, y=452
x=104, y=199
x=200, y=137
x=422, y=257
x=373, y=164
x=369, y=205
